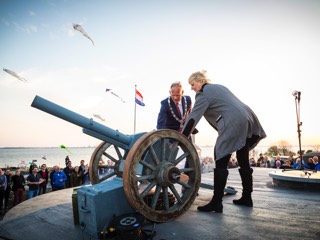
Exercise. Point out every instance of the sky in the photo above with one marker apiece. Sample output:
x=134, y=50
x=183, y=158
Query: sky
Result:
x=262, y=51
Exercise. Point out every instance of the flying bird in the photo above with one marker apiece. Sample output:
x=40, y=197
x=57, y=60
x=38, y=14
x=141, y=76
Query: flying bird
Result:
x=98, y=116
x=15, y=75
x=80, y=29
x=109, y=90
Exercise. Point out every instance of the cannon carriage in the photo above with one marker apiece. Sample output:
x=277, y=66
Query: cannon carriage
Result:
x=160, y=169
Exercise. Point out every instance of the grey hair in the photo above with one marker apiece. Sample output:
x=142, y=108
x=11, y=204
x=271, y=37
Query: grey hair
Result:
x=176, y=84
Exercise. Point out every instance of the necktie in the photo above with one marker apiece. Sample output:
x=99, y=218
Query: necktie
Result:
x=178, y=109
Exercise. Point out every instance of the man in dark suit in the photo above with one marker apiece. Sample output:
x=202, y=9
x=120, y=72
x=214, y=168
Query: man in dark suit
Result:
x=174, y=109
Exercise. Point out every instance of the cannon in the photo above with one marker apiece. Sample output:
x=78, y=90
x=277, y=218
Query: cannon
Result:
x=152, y=165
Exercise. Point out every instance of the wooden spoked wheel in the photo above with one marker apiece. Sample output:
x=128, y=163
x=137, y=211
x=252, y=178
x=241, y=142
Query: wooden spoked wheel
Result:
x=105, y=162
x=161, y=175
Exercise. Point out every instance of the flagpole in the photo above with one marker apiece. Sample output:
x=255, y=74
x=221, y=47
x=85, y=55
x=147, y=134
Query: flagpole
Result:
x=135, y=107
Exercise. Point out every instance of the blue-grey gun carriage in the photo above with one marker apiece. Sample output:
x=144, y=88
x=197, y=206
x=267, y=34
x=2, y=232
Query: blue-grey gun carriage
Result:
x=152, y=164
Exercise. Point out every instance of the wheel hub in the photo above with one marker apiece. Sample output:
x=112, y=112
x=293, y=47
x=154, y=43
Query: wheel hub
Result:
x=167, y=174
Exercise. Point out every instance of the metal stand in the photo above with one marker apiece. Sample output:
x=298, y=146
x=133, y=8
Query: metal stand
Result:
x=297, y=95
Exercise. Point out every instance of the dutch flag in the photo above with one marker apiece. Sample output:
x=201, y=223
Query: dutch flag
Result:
x=139, y=98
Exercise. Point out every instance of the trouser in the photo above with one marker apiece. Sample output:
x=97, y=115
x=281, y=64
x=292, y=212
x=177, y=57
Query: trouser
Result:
x=2, y=193
x=18, y=196
x=6, y=196
x=42, y=189
x=33, y=193
x=245, y=169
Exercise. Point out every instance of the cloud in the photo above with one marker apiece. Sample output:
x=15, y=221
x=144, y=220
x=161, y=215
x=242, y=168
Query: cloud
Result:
x=26, y=28
x=31, y=13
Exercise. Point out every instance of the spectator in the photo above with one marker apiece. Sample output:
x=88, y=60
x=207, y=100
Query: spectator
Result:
x=260, y=160
x=311, y=163
x=18, y=183
x=33, y=181
x=32, y=165
x=85, y=176
x=67, y=160
x=278, y=159
x=291, y=158
x=233, y=163
x=82, y=166
x=68, y=171
x=267, y=163
x=101, y=170
x=278, y=165
x=8, y=190
x=45, y=176
x=205, y=165
x=59, y=178
x=287, y=164
x=110, y=165
x=297, y=165
x=316, y=162
x=252, y=162
x=3, y=187
x=76, y=177
x=211, y=164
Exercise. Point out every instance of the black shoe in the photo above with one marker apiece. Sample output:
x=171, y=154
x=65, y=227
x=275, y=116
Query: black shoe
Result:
x=211, y=207
x=244, y=201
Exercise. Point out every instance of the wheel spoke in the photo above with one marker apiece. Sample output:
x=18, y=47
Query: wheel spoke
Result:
x=146, y=177
x=109, y=175
x=147, y=165
x=165, y=198
x=148, y=189
x=179, y=159
x=184, y=184
x=106, y=166
x=155, y=197
x=118, y=152
x=174, y=149
x=163, y=149
x=175, y=193
x=111, y=157
x=154, y=156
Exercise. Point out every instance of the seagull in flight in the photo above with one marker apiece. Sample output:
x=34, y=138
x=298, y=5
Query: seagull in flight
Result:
x=80, y=29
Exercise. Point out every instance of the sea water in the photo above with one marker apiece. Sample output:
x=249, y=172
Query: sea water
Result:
x=15, y=157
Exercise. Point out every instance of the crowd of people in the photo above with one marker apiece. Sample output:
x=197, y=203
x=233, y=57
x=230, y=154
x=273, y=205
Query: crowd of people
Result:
x=289, y=163
x=40, y=180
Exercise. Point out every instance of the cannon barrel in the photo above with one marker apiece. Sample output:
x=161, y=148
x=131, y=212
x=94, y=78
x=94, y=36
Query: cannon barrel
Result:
x=89, y=126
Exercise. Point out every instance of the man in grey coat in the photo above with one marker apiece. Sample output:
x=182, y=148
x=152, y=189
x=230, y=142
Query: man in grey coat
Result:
x=239, y=131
